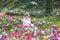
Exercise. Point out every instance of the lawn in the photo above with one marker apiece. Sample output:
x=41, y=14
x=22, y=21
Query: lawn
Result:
x=58, y=24
x=51, y=19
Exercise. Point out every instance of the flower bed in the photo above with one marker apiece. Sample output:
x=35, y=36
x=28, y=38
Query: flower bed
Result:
x=11, y=28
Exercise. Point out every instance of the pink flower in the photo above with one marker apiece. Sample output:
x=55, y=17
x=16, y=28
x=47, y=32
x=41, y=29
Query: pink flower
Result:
x=7, y=25
x=15, y=34
x=5, y=37
x=3, y=28
x=55, y=34
x=58, y=31
x=56, y=39
x=13, y=26
x=52, y=37
x=11, y=20
x=28, y=25
x=20, y=25
x=45, y=28
x=54, y=26
x=22, y=31
x=39, y=28
x=18, y=19
x=29, y=33
x=37, y=33
x=7, y=16
x=28, y=37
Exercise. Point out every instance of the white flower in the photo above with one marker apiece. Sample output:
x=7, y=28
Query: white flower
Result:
x=35, y=33
x=4, y=33
x=31, y=29
x=7, y=38
x=57, y=13
x=38, y=38
x=35, y=28
x=59, y=34
x=25, y=33
x=44, y=21
x=42, y=32
x=15, y=28
x=14, y=20
x=0, y=36
x=39, y=23
x=32, y=25
x=34, y=3
x=26, y=28
x=33, y=38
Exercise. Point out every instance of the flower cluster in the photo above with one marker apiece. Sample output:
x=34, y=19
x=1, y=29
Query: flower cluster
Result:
x=12, y=28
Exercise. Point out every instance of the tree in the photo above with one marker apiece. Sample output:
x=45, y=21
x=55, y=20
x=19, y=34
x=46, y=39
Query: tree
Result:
x=49, y=7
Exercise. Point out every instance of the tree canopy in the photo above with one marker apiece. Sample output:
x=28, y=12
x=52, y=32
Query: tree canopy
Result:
x=47, y=5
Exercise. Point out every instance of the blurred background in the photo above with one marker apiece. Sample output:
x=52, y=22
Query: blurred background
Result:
x=37, y=8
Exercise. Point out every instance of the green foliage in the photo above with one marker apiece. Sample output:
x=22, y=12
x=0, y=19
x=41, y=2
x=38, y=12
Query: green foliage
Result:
x=33, y=6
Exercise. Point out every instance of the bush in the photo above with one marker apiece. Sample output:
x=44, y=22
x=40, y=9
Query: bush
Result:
x=20, y=12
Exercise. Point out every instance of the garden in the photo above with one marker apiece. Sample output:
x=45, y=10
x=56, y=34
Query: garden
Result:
x=45, y=20
x=11, y=28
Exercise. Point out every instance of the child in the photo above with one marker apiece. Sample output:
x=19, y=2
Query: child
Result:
x=26, y=20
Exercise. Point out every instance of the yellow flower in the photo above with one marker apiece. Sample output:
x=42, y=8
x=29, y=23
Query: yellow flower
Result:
x=45, y=37
x=22, y=36
x=14, y=38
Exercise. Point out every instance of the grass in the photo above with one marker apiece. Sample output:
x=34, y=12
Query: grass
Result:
x=51, y=19
x=58, y=24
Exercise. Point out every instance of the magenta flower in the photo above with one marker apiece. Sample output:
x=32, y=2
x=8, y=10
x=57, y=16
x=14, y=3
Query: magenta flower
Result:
x=58, y=31
x=22, y=31
x=28, y=25
x=18, y=18
x=39, y=28
x=3, y=28
x=55, y=34
x=15, y=34
x=45, y=28
x=5, y=36
x=56, y=39
x=13, y=26
x=20, y=25
x=52, y=37
x=7, y=16
x=28, y=37
x=29, y=33
x=54, y=26
x=37, y=33
x=11, y=20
